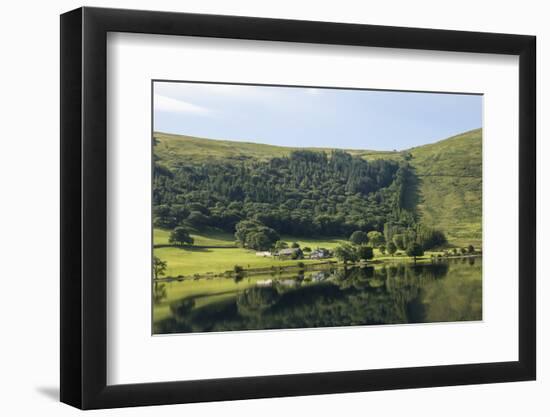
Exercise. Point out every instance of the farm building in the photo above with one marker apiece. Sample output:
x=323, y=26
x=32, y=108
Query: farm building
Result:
x=294, y=253
x=320, y=254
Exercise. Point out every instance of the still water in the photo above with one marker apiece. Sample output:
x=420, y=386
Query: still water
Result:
x=441, y=291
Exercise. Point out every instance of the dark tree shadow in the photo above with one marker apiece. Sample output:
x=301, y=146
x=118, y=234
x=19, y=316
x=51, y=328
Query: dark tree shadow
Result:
x=412, y=197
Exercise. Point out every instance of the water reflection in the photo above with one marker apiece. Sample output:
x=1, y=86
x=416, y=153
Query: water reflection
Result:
x=389, y=294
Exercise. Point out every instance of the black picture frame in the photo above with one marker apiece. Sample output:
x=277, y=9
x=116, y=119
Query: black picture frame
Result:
x=84, y=207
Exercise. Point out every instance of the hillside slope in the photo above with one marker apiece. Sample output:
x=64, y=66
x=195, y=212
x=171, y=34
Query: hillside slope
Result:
x=171, y=147
x=448, y=190
x=450, y=186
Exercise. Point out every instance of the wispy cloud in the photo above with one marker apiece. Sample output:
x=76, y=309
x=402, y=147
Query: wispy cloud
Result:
x=171, y=105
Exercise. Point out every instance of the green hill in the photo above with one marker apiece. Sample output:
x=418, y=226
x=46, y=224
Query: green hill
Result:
x=449, y=174
x=450, y=186
x=171, y=148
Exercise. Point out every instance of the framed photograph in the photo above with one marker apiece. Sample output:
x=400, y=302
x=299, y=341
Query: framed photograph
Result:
x=257, y=207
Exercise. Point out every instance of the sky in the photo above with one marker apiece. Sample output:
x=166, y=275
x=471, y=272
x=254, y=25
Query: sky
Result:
x=312, y=117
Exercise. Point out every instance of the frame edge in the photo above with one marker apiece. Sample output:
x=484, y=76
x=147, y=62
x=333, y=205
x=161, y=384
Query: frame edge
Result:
x=70, y=221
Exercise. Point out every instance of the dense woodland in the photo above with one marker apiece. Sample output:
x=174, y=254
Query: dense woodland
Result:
x=308, y=193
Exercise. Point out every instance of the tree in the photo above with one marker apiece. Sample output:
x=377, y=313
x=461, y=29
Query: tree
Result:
x=307, y=249
x=345, y=253
x=415, y=249
x=262, y=238
x=254, y=235
x=430, y=238
x=359, y=237
x=399, y=241
x=295, y=245
x=159, y=267
x=391, y=248
x=198, y=207
x=375, y=238
x=382, y=249
x=197, y=219
x=365, y=252
x=243, y=228
x=463, y=251
x=280, y=244
x=163, y=217
x=471, y=249
x=180, y=236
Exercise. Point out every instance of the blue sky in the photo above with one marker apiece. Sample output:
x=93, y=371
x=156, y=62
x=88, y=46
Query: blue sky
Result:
x=313, y=117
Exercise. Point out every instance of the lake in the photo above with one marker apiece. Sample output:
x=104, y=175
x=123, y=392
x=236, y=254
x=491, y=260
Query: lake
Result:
x=447, y=290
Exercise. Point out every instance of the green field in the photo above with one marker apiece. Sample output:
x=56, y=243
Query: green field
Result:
x=189, y=260
x=214, y=238
x=327, y=243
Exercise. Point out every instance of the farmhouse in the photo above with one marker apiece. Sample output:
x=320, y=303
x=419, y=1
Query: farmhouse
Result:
x=264, y=254
x=287, y=251
x=320, y=254
x=290, y=253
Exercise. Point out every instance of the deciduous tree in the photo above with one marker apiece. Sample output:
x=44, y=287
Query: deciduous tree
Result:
x=180, y=236
x=415, y=249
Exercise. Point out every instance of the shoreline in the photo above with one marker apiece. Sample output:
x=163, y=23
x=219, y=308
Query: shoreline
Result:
x=319, y=266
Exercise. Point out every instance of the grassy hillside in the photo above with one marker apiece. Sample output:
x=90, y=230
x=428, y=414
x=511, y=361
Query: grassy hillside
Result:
x=171, y=148
x=450, y=186
x=449, y=172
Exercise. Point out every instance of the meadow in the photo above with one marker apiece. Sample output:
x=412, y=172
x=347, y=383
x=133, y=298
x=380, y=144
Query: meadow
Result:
x=189, y=261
